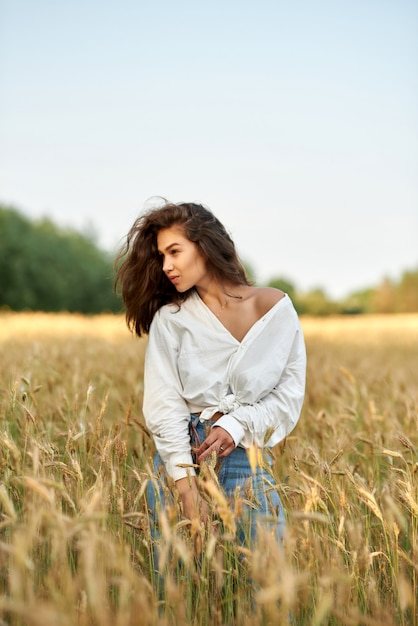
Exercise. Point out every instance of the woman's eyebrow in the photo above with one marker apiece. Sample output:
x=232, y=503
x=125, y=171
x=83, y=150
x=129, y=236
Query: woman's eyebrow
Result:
x=171, y=245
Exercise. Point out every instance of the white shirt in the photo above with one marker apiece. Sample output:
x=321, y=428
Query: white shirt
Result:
x=193, y=363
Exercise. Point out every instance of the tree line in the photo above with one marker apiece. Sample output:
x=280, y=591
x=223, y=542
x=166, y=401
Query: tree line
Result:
x=390, y=296
x=44, y=267
x=47, y=268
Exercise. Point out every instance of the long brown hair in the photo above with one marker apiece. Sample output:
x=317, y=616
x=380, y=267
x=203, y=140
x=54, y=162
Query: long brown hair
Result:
x=143, y=285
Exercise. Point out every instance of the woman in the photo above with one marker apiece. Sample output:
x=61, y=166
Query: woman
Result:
x=225, y=360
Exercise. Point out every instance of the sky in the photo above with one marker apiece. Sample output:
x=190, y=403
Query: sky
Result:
x=295, y=122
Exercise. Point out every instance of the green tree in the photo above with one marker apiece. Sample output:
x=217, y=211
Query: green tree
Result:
x=358, y=302
x=43, y=267
x=406, y=295
x=384, y=297
x=316, y=302
x=284, y=285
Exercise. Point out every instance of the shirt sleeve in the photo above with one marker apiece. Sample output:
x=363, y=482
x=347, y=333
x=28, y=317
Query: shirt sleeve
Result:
x=166, y=413
x=271, y=418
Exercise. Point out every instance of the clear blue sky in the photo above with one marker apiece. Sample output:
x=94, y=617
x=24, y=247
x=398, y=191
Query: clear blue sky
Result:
x=296, y=122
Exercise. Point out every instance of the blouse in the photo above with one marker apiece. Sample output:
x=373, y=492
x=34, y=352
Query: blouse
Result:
x=194, y=364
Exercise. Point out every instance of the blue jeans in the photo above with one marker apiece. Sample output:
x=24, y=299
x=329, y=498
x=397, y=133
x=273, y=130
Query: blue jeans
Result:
x=257, y=492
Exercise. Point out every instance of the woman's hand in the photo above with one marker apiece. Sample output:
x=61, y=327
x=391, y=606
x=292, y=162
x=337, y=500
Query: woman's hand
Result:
x=219, y=440
x=194, y=506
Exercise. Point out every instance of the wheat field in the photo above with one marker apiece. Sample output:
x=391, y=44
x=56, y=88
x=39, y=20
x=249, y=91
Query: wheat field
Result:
x=75, y=547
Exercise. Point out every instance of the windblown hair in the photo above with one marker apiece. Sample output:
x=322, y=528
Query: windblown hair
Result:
x=141, y=281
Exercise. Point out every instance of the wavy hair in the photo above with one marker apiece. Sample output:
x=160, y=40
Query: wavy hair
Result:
x=139, y=277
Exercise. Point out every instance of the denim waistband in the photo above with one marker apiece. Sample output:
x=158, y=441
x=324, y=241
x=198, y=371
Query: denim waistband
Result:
x=195, y=419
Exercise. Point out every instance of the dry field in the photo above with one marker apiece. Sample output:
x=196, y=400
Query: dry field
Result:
x=75, y=547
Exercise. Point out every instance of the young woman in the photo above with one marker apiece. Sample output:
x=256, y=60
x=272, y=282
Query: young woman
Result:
x=225, y=361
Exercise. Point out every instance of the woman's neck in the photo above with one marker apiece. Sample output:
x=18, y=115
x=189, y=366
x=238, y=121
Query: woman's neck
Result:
x=217, y=295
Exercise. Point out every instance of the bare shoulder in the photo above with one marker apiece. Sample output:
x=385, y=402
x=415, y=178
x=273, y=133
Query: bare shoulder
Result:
x=265, y=298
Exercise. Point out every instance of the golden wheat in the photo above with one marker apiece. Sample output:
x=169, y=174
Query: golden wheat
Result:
x=76, y=459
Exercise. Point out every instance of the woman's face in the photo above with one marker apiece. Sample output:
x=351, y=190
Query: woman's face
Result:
x=183, y=263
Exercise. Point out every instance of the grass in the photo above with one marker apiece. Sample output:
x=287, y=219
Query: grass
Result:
x=75, y=460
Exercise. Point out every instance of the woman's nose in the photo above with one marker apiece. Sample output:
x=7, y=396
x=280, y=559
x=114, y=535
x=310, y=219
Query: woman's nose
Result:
x=167, y=265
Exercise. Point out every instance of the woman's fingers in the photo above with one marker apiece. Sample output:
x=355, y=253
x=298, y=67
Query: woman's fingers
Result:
x=219, y=441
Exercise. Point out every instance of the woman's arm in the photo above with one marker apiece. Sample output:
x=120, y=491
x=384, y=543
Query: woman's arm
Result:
x=165, y=411
x=194, y=506
x=270, y=418
x=167, y=417
x=274, y=416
